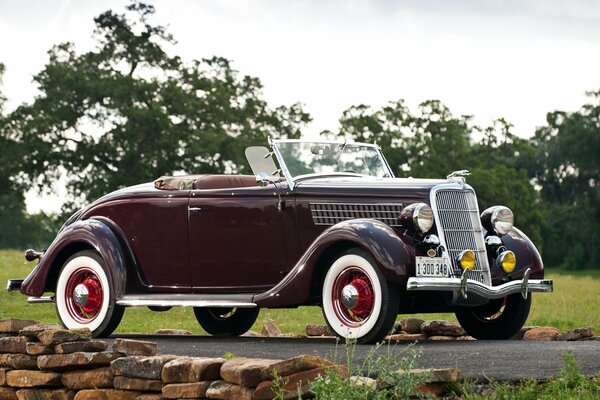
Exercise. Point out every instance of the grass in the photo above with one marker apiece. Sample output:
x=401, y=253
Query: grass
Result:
x=574, y=303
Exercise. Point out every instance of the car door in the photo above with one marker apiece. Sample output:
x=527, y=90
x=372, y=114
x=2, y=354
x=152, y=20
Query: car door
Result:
x=236, y=239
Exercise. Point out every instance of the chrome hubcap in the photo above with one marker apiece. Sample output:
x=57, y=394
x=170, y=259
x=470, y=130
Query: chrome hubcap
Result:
x=349, y=296
x=80, y=295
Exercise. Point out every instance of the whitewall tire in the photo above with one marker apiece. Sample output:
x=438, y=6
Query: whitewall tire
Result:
x=357, y=301
x=83, y=295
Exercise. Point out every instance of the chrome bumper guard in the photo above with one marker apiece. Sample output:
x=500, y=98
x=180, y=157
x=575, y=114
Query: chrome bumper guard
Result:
x=466, y=286
x=14, y=285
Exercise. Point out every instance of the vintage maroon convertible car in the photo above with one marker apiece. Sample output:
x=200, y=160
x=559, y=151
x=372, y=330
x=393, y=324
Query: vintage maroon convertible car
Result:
x=321, y=223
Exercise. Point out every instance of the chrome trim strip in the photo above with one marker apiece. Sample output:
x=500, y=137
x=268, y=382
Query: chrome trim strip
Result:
x=488, y=292
x=184, y=303
x=39, y=300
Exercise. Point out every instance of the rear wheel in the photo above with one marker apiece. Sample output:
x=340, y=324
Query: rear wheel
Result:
x=226, y=321
x=83, y=295
x=499, y=319
x=358, y=303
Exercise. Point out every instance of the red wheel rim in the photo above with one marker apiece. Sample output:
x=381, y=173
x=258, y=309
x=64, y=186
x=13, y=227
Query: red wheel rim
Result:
x=356, y=281
x=82, y=311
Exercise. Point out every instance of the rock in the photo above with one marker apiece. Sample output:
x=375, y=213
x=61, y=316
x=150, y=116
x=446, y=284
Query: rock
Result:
x=361, y=381
x=3, y=372
x=296, y=383
x=541, y=333
x=442, y=328
x=92, y=379
x=411, y=325
x=318, y=330
x=52, y=337
x=246, y=372
x=251, y=334
x=34, y=330
x=296, y=364
x=439, y=375
x=591, y=339
x=15, y=325
x=8, y=393
x=465, y=338
x=38, y=349
x=172, y=332
x=141, y=367
x=145, y=385
x=521, y=333
x=183, y=370
x=45, y=394
x=75, y=347
x=440, y=338
x=151, y=396
x=14, y=344
x=406, y=337
x=106, y=394
x=226, y=391
x=18, y=361
x=135, y=347
x=29, y=379
x=575, y=334
x=185, y=390
x=73, y=361
x=271, y=330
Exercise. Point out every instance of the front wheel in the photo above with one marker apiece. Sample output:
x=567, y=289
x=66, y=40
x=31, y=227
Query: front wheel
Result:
x=500, y=319
x=357, y=301
x=83, y=295
x=227, y=321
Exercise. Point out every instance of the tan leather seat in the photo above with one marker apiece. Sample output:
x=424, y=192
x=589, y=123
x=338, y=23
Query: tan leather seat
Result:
x=224, y=181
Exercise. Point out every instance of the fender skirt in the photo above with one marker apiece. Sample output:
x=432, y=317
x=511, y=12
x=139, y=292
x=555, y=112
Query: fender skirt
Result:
x=391, y=252
x=90, y=233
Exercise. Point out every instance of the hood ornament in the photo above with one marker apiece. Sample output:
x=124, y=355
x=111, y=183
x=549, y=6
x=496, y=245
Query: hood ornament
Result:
x=458, y=176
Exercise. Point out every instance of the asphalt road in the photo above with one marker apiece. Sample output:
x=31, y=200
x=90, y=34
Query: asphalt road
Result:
x=481, y=360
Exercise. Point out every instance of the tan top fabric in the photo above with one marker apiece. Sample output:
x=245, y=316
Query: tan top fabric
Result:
x=189, y=182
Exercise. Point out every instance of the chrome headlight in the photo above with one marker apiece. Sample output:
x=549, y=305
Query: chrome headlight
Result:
x=498, y=219
x=418, y=216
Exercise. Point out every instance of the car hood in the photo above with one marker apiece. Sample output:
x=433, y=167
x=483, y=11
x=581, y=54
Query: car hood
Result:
x=369, y=186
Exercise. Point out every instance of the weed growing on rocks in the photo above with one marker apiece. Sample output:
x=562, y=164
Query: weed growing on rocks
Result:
x=379, y=376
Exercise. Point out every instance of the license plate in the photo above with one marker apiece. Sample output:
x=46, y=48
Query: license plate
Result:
x=432, y=266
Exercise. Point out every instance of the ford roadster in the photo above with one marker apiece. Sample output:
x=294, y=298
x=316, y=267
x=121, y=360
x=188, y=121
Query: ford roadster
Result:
x=319, y=223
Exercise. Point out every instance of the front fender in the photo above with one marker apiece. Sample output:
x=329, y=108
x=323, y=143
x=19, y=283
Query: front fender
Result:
x=86, y=234
x=527, y=257
x=391, y=252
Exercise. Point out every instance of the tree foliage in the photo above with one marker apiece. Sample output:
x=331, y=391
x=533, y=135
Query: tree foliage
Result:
x=567, y=169
x=129, y=111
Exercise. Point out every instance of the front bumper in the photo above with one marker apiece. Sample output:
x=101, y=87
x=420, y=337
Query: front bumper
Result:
x=466, y=286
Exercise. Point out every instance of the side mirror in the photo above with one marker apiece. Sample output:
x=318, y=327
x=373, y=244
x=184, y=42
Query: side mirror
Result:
x=262, y=179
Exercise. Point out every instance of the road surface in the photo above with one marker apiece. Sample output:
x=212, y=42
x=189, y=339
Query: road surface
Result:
x=481, y=360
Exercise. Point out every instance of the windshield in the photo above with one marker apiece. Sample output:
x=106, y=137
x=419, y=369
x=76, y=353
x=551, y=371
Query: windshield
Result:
x=306, y=158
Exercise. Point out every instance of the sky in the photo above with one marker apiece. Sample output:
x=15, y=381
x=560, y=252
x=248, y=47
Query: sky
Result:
x=488, y=58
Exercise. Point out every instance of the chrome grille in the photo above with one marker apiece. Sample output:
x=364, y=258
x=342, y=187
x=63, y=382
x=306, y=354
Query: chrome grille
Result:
x=459, y=228
x=333, y=213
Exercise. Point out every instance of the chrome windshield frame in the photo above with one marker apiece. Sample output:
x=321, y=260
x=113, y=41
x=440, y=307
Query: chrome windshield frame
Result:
x=292, y=180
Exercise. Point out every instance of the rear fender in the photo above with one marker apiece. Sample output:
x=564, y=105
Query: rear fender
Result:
x=87, y=234
x=391, y=252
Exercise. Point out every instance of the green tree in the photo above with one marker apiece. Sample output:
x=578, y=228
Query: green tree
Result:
x=568, y=172
x=433, y=142
x=130, y=111
x=18, y=229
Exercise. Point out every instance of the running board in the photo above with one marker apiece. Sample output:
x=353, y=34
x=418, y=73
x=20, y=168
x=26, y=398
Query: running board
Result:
x=189, y=300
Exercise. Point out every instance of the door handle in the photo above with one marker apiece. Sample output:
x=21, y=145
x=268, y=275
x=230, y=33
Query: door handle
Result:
x=194, y=209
